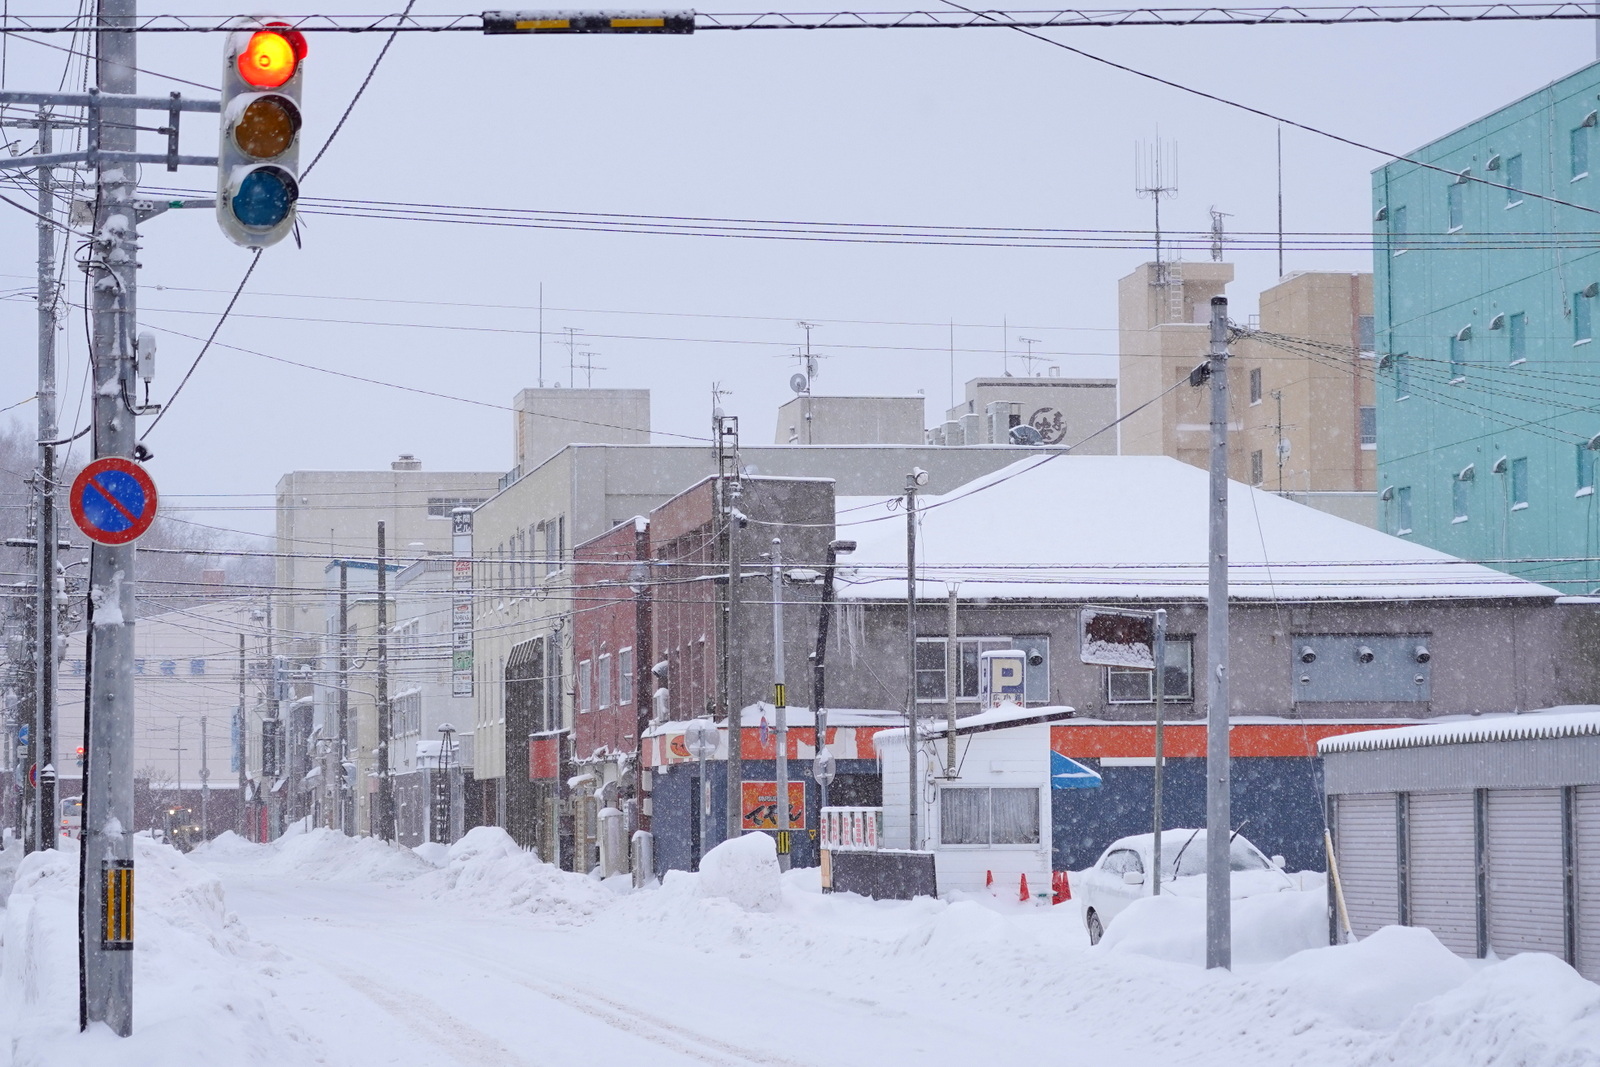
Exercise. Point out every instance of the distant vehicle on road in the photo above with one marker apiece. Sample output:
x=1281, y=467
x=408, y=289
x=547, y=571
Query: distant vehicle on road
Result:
x=71, y=817
x=1121, y=875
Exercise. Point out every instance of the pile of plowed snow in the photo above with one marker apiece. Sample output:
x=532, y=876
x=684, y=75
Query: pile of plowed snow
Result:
x=488, y=868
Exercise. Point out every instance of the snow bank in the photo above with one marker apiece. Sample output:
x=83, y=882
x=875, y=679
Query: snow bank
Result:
x=323, y=855
x=199, y=980
x=745, y=871
x=489, y=869
x=1376, y=982
x=1267, y=927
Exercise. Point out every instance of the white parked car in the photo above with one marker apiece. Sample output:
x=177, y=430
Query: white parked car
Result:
x=1122, y=874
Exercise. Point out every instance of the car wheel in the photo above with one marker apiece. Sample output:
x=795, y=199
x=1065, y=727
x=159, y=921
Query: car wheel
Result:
x=1096, y=931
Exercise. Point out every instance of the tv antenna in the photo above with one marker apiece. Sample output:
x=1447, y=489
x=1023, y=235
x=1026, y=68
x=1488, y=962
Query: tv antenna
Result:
x=572, y=355
x=1217, y=236
x=588, y=367
x=1153, y=169
x=1028, y=358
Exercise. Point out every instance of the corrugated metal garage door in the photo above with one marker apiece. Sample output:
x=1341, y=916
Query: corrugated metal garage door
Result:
x=1527, y=891
x=1441, y=845
x=1368, y=860
x=1587, y=820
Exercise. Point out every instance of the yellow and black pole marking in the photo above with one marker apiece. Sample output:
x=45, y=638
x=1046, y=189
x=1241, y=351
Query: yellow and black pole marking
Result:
x=588, y=22
x=779, y=698
x=783, y=840
x=117, y=879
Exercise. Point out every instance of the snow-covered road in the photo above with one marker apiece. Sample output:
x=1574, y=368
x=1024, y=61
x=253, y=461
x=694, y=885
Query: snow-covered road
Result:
x=319, y=949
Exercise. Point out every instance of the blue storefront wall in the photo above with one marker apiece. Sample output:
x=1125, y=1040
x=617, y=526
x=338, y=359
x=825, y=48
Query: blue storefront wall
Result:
x=675, y=806
x=1277, y=804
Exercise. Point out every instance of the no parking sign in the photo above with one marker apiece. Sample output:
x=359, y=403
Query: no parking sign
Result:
x=113, y=501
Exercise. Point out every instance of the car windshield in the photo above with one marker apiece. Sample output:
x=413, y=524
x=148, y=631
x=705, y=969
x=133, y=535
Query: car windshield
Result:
x=1242, y=856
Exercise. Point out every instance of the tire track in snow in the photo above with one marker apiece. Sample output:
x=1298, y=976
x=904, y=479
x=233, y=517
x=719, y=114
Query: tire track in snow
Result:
x=426, y=1019
x=631, y=1019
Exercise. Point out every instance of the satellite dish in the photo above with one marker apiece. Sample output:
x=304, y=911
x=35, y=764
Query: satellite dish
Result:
x=1025, y=435
x=798, y=383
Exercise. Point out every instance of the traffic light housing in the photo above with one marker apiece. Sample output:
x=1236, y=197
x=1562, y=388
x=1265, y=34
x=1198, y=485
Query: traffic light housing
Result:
x=258, y=160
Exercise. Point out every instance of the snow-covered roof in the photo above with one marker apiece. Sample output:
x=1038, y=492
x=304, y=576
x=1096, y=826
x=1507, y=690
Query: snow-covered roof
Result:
x=1573, y=720
x=1120, y=527
x=997, y=718
x=794, y=717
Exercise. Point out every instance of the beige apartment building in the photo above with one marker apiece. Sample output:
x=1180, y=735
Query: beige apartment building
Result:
x=1300, y=381
x=1061, y=411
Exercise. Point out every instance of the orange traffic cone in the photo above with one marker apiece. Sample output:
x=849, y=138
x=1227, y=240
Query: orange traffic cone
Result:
x=1061, y=884
x=988, y=880
x=1024, y=897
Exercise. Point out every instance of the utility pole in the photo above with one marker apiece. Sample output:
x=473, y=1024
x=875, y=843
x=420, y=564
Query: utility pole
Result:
x=952, y=653
x=1219, y=920
x=345, y=821
x=177, y=752
x=1277, y=395
x=822, y=763
x=44, y=490
x=780, y=705
x=205, y=785
x=914, y=481
x=106, y=855
x=243, y=736
x=730, y=483
x=385, y=783
x=1160, y=680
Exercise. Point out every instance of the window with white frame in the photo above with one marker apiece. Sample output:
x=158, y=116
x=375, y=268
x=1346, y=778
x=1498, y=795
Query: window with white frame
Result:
x=583, y=685
x=1369, y=426
x=931, y=664
x=602, y=685
x=989, y=816
x=1514, y=180
x=1130, y=686
x=1457, y=204
x=405, y=713
x=624, y=677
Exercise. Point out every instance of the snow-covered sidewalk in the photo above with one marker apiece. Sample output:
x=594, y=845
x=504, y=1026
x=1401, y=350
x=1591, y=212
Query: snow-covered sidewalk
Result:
x=319, y=949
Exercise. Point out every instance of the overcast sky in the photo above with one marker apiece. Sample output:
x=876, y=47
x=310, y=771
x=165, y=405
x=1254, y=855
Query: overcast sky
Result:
x=952, y=128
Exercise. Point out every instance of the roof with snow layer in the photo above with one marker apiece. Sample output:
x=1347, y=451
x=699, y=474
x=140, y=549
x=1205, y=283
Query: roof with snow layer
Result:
x=1129, y=527
x=1573, y=720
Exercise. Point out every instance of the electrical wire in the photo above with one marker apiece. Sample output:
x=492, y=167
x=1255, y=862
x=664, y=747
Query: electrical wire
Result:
x=206, y=347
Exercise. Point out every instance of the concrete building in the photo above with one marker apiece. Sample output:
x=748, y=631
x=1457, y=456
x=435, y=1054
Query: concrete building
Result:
x=547, y=420
x=1487, y=389
x=850, y=420
x=187, y=687
x=523, y=540
x=331, y=515
x=1062, y=411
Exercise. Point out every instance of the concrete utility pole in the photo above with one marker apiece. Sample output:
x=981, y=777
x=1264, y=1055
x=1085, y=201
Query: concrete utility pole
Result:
x=243, y=741
x=1160, y=684
x=385, y=783
x=45, y=538
x=346, y=823
x=1219, y=831
x=822, y=763
x=205, y=785
x=730, y=480
x=914, y=481
x=952, y=652
x=112, y=263
x=780, y=705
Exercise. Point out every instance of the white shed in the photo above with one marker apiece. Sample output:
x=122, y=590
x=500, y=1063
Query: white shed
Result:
x=989, y=815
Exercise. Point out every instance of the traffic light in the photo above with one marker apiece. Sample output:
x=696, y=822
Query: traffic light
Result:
x=258, y=161
x=80, y=757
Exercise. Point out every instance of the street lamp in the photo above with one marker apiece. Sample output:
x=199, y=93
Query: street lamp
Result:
x=822, y=763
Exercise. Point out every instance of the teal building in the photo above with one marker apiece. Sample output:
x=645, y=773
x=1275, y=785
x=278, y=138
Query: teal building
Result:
x=1486, y=279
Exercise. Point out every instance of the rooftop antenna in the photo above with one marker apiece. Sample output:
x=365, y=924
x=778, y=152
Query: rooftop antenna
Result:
x=572, y=356
x=806, y=358
x=589, y=368
x=1153, y=168
x=1029, y=358
x=541, y=335
x=1217, y=236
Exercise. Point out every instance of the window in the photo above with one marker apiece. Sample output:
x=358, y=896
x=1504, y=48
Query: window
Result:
x=1402, y=377
x=1585, y=470
x=1402, y=510
x=1122, y=861
x=1255, y=385
x=1457, y=200
x=1460, y=498
x=583, y=685
x=1458, y=359
x=1582, y=332
x=930, y=666
x=1397, y=230
x=1580, y=153
x=1517, y=336
x=1514, y=180
x=1369, y=427
x=603, y=681
x=440, y=507
x=1257, y=473
x=624, y=677
x=1366, y=335
x=1128, y=686
x=988, y=816
x=1519, y=484
x=555, y=543
x=405, y=713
